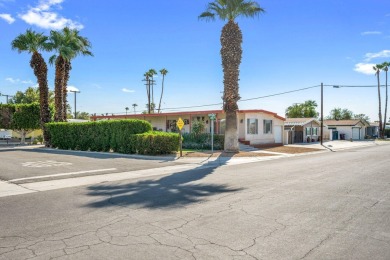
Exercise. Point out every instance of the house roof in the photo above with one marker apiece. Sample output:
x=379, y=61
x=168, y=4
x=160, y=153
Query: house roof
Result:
x=351, y=122
x=300, y=121
x=204, y=112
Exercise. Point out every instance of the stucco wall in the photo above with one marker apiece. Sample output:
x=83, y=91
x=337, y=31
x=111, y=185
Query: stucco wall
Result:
x=261, y=138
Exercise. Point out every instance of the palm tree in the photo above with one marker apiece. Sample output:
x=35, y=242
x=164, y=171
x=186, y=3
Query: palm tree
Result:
x=68, y=44
x=386, y=69
x=33, y=42
x=134, y=106
x=377, y=69
x=231, y=52
x=147, y=84
x=163, y=73
x=152, y=72
x=126, y=108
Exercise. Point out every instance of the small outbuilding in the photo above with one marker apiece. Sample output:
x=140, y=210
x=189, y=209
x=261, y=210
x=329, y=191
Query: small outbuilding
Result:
x=302, y=130
x=355, y=129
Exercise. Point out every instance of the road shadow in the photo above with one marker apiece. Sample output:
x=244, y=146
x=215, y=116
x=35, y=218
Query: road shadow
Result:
x=176, y=190
x=89, y=154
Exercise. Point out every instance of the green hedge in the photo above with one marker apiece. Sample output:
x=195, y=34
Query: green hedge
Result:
x=153, y=143
x=202, y=141
x=96, y=136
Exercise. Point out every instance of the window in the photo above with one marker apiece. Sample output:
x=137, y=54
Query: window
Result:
x=267, y=126
x=252, y=126
x=315, y=131
x=308, y=131
x=311, y=131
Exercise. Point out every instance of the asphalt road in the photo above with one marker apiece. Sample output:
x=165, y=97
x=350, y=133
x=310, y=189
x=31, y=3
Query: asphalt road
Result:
x=27, y=163
x=318, y=206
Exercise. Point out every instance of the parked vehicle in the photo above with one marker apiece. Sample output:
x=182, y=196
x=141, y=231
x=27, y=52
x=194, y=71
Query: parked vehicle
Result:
x=5, y=134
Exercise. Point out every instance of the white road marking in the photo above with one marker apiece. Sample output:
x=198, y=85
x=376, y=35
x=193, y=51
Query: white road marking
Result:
x=39, y=164
x=62, y=174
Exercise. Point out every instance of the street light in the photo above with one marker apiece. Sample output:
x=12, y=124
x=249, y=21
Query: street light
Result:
x=7, y=96
x=75, y=93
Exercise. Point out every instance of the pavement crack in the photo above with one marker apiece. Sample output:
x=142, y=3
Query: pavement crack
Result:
x=317, y=246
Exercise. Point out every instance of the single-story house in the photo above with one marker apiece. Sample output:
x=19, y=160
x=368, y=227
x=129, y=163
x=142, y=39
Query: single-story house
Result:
x=373, y=129
x=302, y=130
x=355, y=129
x=254, y=126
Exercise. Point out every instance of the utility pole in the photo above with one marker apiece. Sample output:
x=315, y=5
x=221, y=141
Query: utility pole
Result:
x=7, y=96
x=322, y=111
x=75, y=93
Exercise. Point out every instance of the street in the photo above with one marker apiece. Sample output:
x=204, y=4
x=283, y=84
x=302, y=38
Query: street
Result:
x=331, y=205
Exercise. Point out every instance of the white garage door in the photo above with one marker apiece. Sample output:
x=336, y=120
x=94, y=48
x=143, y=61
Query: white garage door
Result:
x=355, y=133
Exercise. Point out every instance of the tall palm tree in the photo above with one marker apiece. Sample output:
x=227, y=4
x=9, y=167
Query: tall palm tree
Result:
x=377, y=69
x=68, y=44
x=127, y=109
x=152, y=73
x=147, y=84
x=386, y=69
x=134, y=106
x=163, y=73
x=33, y=42
x=231, y=52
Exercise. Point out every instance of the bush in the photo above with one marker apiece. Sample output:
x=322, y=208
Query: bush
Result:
x=202, y=141
x=153, y=143
x=96, y=136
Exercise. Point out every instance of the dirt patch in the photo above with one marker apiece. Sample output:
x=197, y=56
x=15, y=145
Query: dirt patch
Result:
x=291, y=149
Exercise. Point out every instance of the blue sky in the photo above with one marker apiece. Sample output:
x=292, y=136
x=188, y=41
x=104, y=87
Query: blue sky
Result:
x=295, y=44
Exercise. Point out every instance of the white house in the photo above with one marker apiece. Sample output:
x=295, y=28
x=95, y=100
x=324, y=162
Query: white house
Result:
x=355, y=129
x=254, y=126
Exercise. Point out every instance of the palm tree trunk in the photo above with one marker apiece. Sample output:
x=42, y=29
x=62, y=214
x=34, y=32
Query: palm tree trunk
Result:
x=58, y=83
x=67, y=68
x=380, y=106
x=162, y=91
x=384, y=119
x=39, y=66
x=231, y=53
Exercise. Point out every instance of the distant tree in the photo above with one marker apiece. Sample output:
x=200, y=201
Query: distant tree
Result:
x=134, y=106
x=385, y=66
x=33, y=42
x=30, y=95
x=163, y=73
x=377, y=68
x=340, y=114
x=198, y=127
x=362, y=117
x=152, y=73
x=231, y=54
x=127, y=109
x=304, y=110
x=22, y=118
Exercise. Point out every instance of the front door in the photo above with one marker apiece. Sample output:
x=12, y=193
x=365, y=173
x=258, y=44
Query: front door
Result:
x=278, y=134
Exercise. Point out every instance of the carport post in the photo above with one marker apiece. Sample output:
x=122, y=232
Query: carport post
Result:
x=322, y=111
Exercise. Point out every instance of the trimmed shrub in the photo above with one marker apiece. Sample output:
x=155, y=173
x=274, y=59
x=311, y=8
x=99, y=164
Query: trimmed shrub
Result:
x=153, y=143
x=96, y=136
x=202, y=141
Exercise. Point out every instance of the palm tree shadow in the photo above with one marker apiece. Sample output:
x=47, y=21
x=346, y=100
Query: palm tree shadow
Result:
x=176, y=190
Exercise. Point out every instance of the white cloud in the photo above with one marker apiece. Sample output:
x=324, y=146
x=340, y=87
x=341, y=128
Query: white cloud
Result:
x=16, y=81
x=382, y=54
x=8, y=18
x=371, y=33
x=43, y=16
x=128, y=90
x=365, y=68
x=72, y=88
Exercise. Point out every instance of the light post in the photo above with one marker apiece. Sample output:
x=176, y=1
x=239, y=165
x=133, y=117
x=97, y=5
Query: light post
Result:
x=75, y=93
x=322, y=111
x=212, y=119
x=7, y=96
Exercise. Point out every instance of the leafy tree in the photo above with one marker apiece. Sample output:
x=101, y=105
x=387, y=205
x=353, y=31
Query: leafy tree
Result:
x=68, y=44
x=22, y=118
x=163, y=73
x=33, y=42
x=340, y=114
x=30, y=95
x=198, y=127
x=304, y=110
x=377, y=69
x=231, y=53
x=362, y=117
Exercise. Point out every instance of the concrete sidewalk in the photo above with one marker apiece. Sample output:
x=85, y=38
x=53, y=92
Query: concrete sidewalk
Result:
x=337, y=145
